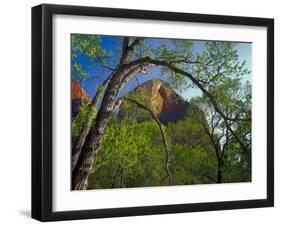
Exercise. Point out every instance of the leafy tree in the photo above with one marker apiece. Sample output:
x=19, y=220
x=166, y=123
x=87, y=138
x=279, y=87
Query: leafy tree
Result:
x=235, y=103
x=194, y=161
x=131, y=155
x=216, y=66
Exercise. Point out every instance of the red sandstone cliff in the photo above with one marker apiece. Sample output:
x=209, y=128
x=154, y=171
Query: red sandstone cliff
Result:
x=76, y=93
x=164, y=102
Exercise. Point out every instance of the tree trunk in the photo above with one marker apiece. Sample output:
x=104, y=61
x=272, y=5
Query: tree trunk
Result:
x=116, y=175
x=76, y=150
x=219, y=172
x=219, y=177
x=93, y=140
x=122, y=179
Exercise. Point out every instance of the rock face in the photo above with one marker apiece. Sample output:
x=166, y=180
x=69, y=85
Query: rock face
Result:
x=76, y=93
x=164, y=102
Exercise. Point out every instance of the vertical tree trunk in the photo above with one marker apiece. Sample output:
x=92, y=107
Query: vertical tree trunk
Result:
x=219, y=177
x=84, y=164
x=76, y=150
x=93, y=140
x=219, y=172
x=116, y=175
x=122, y=179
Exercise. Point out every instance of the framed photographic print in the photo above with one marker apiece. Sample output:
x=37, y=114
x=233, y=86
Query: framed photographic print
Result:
x=144, y=112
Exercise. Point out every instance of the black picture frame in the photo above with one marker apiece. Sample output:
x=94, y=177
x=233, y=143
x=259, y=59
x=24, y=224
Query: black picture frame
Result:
x=42, y=111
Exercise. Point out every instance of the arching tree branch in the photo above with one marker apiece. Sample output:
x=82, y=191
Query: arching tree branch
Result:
x=167, y=159
x=127, y=49
x=198, y=84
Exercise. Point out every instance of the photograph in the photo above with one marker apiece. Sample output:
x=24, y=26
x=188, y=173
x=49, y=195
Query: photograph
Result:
x=141, y=112
x=150, y=111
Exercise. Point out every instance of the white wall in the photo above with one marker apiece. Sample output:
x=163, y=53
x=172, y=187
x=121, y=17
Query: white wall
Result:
x=15, y=93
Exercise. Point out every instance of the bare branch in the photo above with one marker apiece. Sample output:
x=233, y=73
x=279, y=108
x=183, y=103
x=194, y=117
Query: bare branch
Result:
x=162, y=134
x=107, y=67
x=135, y=43
x=198, y=84
x=210, y=178
x=116, y=175
x=125, y=44
x=127, y=49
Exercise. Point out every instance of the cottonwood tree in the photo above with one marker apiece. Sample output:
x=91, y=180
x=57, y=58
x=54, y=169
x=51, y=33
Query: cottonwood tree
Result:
x=203, y=70
x=131, y=155
x=218, y=134
x=234, y=99
x=191, y=149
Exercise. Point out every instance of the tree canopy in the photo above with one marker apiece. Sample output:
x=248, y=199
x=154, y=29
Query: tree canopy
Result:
x=211, y=144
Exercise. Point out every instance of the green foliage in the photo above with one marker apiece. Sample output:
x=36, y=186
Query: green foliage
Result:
x=132, y=153
x=86, y=44
x=83, y=111
x=218, y=62
x=176, y=52
x=136, y=148
x=79, y=70
x=234, y=100
x=131, y=110
x=192, y=151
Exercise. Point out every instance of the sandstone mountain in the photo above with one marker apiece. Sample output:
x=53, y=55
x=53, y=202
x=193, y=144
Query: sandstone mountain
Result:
x=76, y=93
x=156, y=94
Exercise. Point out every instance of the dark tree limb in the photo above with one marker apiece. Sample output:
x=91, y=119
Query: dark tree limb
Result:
x=210, y=178
x=107, y=67
x=125, y=44
x=116, y=175
x=94, y=137
x=198, y=84
x=167, y=159
x=127, y=49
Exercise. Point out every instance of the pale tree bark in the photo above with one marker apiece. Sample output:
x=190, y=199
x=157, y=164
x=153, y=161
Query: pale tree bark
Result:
x=76, y=150
x=123, y=73
x=94, y=138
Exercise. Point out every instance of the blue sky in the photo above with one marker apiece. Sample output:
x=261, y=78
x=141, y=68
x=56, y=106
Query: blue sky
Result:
x=112, y=44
